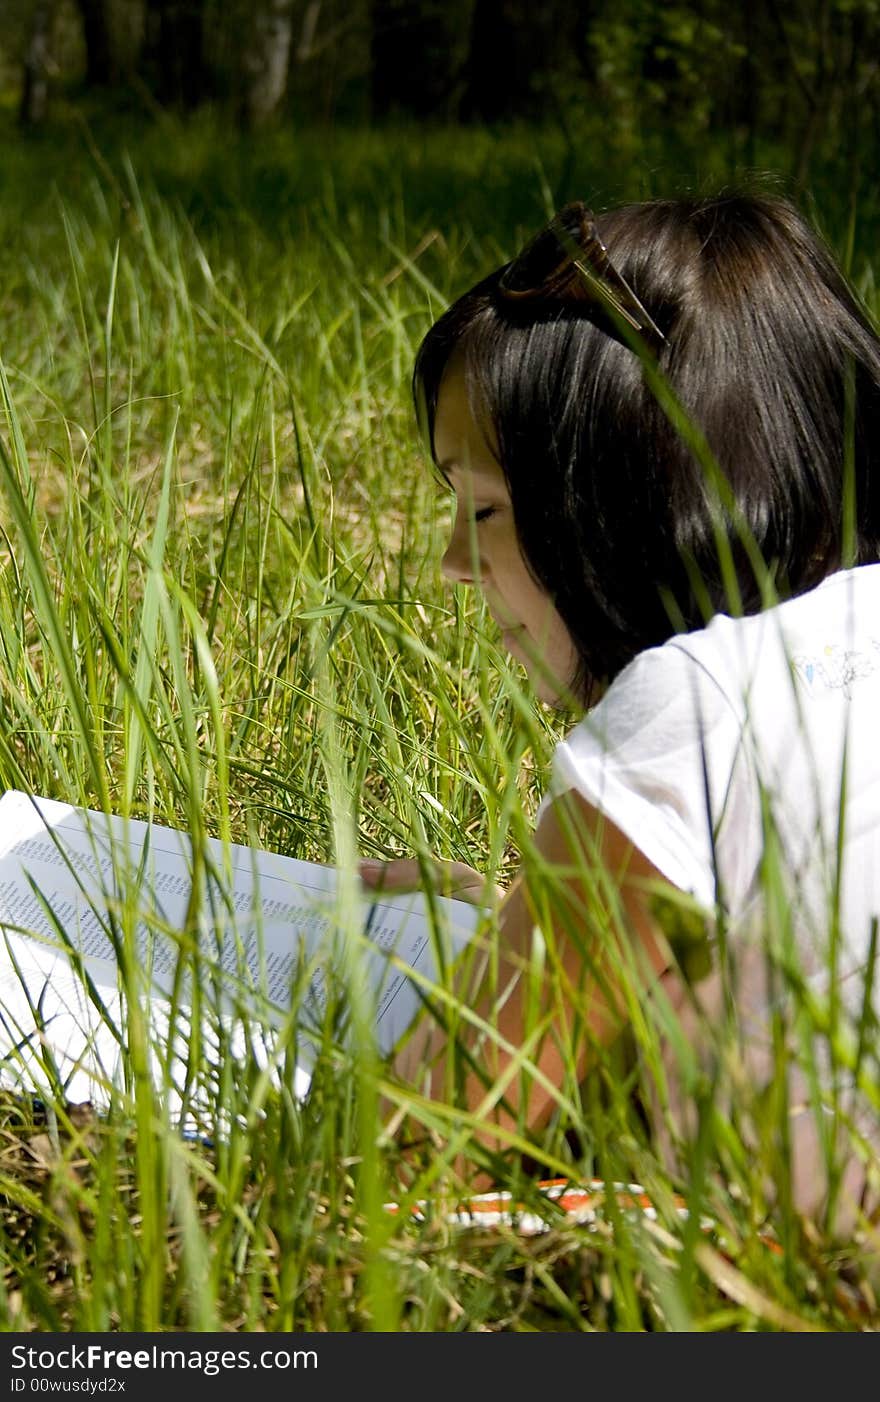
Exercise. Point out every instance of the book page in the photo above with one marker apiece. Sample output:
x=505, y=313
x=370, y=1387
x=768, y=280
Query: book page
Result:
x=70, y=880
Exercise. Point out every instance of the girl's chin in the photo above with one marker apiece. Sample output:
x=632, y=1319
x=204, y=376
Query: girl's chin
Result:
x=546, y=687
x=550, y=692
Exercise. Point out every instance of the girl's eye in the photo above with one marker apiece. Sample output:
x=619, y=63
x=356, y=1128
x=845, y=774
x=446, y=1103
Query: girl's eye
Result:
x=484, y=513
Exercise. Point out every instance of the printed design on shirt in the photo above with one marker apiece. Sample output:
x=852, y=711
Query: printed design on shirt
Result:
x=837, y=668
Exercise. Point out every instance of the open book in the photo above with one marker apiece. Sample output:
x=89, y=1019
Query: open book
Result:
x=93, y=907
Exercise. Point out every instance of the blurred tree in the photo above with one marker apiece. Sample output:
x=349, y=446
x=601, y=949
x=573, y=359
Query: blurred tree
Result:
x=331, y=60
x=792, y=82
x=234, y=52
x=266, y=60
x=831, y=67
x=38, y=57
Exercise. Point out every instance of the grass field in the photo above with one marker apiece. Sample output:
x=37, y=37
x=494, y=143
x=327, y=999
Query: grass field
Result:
x=221, y=606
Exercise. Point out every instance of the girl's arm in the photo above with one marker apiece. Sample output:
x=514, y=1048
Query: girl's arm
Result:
x=587, y=891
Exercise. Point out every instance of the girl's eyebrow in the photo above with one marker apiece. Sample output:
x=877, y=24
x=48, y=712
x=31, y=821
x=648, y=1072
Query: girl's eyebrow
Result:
x=452, y=465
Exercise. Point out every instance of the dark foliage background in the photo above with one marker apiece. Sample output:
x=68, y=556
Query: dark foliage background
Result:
x=802, y=74
x=608, y=99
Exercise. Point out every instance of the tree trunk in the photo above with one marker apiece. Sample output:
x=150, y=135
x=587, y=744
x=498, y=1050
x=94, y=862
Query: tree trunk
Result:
x=35, y=89
x=266, y=61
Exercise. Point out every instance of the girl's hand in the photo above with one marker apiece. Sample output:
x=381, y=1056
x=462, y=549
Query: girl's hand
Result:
x=453, y=879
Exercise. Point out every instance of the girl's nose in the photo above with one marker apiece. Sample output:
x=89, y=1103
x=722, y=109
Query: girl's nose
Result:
x=459, y=563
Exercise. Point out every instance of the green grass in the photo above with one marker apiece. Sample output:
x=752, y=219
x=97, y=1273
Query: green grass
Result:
x=220, y=606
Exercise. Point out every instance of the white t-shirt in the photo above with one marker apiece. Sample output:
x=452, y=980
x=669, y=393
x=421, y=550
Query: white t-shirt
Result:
x=702, y=746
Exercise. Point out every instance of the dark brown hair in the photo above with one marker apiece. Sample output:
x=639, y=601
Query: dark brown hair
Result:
x=773, y=361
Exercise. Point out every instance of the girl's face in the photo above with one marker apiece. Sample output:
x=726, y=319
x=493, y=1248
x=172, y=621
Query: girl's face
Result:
x=484, y=548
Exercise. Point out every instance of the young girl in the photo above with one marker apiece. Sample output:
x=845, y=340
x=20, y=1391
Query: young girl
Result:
x=662, y=429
